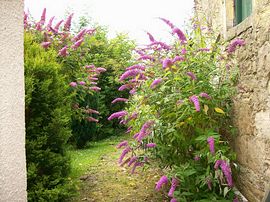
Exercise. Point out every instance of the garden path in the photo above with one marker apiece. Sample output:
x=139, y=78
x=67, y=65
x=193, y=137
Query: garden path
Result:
x=102, y=179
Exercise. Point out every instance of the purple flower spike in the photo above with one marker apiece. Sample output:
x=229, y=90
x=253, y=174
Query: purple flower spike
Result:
x=163, y=180
x=132, y=91
x=196, y=102
x=197, y=158
x=101, y=69
x=135, y=166
x=45, y=44
x=175, y=183
x=122, y=144
x=204, y=49
x=151, y=145
x=130, y=73
x=167, y=22
x=205, y=95
x=167, y=63
x=129, y=129
x=180, y=34
x=161, y=44
x=73, y=84
x=82, y=83
x=56, y=27
x=77, y=44
x=192, y=76
x=217, y=164
x=141, y=67
x=178, y=58
x=125, y=86
x=95, y=88
x=63, y=52
x=92, y=111
x=50, y=23
x=155, y=83
x=184, y=51
x=173, y=200
x=91, y=119
x=119, y=100
x=225, y=167
x=124, y=153
x=211, y=143
x=151, y=38
x=68, y=22
x=136, y=135
x=146, y=57
x=132, y=160
x=92, y=78
x=43, y=17
x=145, y=130
x=118, y=115
x=90, y=66
x=234, y=44
x=79, y=35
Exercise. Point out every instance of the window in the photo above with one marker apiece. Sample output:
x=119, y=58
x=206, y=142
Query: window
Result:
x=243, y=9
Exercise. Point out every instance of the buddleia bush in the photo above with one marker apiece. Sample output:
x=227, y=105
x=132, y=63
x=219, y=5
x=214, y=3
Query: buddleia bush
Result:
x=90, y=64
x=48, y=114
x=180, y=113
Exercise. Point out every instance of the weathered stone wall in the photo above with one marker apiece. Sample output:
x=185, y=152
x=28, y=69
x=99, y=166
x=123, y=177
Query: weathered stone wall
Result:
x=252, y=103
x=12, y=132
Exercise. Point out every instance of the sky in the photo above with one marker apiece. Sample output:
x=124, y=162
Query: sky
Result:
x=134, y=17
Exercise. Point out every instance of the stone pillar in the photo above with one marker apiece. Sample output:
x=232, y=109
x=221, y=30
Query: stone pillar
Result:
x=12, y=127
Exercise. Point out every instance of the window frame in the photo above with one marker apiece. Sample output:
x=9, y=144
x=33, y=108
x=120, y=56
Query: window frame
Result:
x=242, y=10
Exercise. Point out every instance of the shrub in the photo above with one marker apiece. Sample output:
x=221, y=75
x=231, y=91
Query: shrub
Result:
x=47, y=124
x=77, y=53
x=180, y=112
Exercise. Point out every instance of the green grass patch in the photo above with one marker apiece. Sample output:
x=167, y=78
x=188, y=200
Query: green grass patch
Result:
x=83, y=159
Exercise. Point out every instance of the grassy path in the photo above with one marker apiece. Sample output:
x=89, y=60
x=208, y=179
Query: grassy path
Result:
x=102, y=179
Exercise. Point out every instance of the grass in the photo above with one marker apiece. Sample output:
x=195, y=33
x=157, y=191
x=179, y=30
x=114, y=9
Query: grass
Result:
x=82, y=160
x=102, y=179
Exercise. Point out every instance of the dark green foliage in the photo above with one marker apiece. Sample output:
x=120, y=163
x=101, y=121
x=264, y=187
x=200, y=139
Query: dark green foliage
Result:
x=47, y=125
x=118, y=57
x=114, y=55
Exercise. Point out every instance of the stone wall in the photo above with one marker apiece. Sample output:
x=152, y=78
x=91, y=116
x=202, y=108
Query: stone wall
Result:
x=12, y=132
x=252, y=103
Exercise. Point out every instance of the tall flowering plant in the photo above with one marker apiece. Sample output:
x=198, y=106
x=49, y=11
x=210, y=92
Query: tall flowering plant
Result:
x=83, y=56
x=179, y=112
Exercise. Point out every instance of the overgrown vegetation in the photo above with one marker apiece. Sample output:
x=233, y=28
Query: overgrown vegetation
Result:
x=180, y=113
x=63, y=103
x=48, y=120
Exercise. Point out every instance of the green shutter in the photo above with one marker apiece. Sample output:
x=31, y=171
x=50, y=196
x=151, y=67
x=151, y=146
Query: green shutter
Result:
x=246, y=8
x=238, y=11
x=243, y=9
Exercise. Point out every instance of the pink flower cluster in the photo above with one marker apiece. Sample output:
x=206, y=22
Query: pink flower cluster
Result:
x=167, y=63
x=50, y=31
x=162, y=181
x=145, y=130
x=175, y=30
x=175, y=183
x=196, y=102
x=119, y=100
x=192, y=76
x=226, y=169
x=155, y=83
x=211, y=143
x=233, y=45
x=118, y=115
